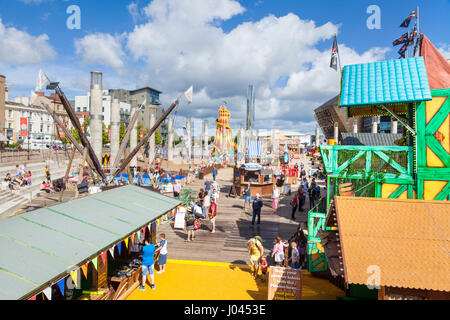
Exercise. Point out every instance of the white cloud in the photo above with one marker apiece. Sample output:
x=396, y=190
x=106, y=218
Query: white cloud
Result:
x=19, y=47
x=102, y=49
x=444, y=49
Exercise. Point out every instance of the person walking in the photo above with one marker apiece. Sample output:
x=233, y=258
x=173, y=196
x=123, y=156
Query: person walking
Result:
x=294, y=205
x=257, y=205
x=148, y=264
x=275, y=199
x=215, y=196
x=256, y=251
x=190, y=221
x=214, y=173
x=301, y=197
x=278, y=251
x=208, y=186
x=206, y=204
x=212, y=215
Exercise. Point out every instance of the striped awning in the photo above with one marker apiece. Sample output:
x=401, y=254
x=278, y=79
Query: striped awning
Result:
x=254, y=149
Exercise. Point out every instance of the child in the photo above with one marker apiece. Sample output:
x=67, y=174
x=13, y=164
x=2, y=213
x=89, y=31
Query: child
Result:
x=162, y=254
x=264, y=266
x=295, y=261
x=278, y=251
x=29, y=178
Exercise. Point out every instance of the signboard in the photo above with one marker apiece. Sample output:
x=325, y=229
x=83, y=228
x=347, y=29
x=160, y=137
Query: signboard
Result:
x=179, y=218
x=285, y=284
x=24, y=127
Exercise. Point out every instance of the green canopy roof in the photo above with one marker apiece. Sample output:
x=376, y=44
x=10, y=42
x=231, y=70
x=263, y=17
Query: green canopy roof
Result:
x=385, y=82
x=41, y=246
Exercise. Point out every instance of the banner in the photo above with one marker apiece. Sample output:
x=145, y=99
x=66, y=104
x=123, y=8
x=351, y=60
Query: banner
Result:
x=179, y=218
x=284, y=284
x=24, y=127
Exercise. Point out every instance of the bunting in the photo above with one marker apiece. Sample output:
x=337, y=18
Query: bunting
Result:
x=126, y=243
x=33, y=298
x=132, y=238
x=84, y=268
x=139, y=234
x=103, y=256
x=405, y=23
x=95, y=263
x=62, y=285
x=48, y=293
x=143, y=231
x=74, y=275
x=119, y=247
x=111, y=250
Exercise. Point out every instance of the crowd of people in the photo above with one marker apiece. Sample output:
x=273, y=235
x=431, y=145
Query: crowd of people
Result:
x=21, y=179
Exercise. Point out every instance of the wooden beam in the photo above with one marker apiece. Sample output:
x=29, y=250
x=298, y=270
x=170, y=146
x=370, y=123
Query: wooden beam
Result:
x=69, y=165
x=81, y=174
x=399, y=119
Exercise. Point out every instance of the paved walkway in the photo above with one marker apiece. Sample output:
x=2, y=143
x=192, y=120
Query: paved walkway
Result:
x=233, y=227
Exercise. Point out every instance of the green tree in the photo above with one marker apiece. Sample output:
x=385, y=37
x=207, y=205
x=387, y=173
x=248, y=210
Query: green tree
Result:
x=122, y=131
x=105, y=136
x=158, y=138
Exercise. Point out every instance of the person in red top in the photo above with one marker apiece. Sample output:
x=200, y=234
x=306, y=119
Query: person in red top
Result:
x=264, y=266
x=294, y=205
x=212, y=214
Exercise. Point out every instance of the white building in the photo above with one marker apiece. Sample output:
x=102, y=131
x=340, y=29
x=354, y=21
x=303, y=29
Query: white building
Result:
x=82, y=104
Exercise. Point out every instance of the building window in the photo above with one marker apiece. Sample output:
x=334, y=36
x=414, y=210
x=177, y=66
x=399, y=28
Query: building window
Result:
x=9, y=125
x=48, y=128
x=10, y=113
x=84, y=109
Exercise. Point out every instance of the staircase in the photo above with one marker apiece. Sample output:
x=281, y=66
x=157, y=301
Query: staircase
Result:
x=11, y=201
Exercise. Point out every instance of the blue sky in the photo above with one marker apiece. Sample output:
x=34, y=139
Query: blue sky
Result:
x=110, y=23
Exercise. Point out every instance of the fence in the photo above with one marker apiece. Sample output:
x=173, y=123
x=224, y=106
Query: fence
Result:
x=17, y=156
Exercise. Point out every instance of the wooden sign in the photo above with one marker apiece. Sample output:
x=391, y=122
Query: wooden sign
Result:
x=179, y=218
x=284, y=284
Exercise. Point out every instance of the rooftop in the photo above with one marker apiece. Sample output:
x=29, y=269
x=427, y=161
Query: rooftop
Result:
x=370, y=139
x=408, y=240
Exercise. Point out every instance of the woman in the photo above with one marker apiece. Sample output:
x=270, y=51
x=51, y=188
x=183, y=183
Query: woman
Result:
x=212, y=215
x=256, y=250
x=278, y=251
x=275, y=199
x=247, y=193
x=201, y=197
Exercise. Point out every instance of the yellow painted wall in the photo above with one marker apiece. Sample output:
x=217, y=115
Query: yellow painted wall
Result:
x=388, y=188
x=432, y=188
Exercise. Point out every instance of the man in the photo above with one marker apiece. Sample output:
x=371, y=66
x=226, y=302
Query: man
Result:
x=214, y=173
x=148, y=264
x=257, y=205
x=208, y=186
x=215, y=196
x=247, y=193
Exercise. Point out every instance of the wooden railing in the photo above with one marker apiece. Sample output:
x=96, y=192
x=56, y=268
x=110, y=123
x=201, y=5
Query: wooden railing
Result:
x=16, y=156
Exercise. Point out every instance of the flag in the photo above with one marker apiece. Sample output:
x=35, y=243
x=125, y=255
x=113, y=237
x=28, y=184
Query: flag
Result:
x=126, y=243
x=189, y=93
x=61, y=285
x=74, y=275
x=95, y=263
x=405, y=24
x=412, y=36
x=84, y=268
x=103, y=256
x=111, y=250
x=48, y=293
x=42, y=79
x=334, y=54
x=402, y=51
x=402, y=39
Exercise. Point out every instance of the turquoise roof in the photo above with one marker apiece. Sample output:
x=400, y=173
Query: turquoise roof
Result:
x=385, y=82
x=41, y=246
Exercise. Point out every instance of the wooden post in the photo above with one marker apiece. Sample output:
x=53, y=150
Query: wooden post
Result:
x=81, y=175
x=130, y=178
x=67, y=174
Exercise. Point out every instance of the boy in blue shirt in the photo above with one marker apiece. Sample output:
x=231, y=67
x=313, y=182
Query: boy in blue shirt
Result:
x=148, y=264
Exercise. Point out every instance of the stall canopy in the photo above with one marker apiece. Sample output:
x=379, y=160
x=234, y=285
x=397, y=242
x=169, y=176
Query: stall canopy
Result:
x=254, y=149
x=42, y=246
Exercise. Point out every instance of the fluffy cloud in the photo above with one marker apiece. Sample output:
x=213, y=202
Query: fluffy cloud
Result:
x=445, y=50
x=99, y=48
x=19, y=47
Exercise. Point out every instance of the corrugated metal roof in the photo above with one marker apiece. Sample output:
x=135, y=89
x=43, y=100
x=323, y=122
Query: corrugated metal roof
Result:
x=391, y=81
x=40, y=246
x=408, y=240
x=370, y=139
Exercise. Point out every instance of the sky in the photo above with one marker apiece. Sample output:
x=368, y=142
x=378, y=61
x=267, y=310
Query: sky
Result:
x=281, y=47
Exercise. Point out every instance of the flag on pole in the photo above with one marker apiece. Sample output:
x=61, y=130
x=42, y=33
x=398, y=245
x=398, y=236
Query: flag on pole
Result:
x=412, y=36
x=334, y=54
x=405, y=23
x=402, y=39
x=42, y=79
x=189, y=93
x=402, y=51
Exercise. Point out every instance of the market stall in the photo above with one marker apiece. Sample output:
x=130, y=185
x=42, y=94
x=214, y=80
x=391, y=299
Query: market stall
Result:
x=261, y=180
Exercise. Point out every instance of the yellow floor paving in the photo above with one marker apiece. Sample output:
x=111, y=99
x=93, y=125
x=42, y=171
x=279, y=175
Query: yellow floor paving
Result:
x=192, y=280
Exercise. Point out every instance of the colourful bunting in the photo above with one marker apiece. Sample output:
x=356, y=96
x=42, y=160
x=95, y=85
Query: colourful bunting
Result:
x=119, y=247
x=126, y=243
x=132, y=238
x=157, y=222
x=143, y=231
x=74, y=275
x=62, y=285
x=95, y=263
x=48, y=293
x=84, y=268
x=111, y=250
x=103, y=256
x=139, y=234
x=34, y=298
